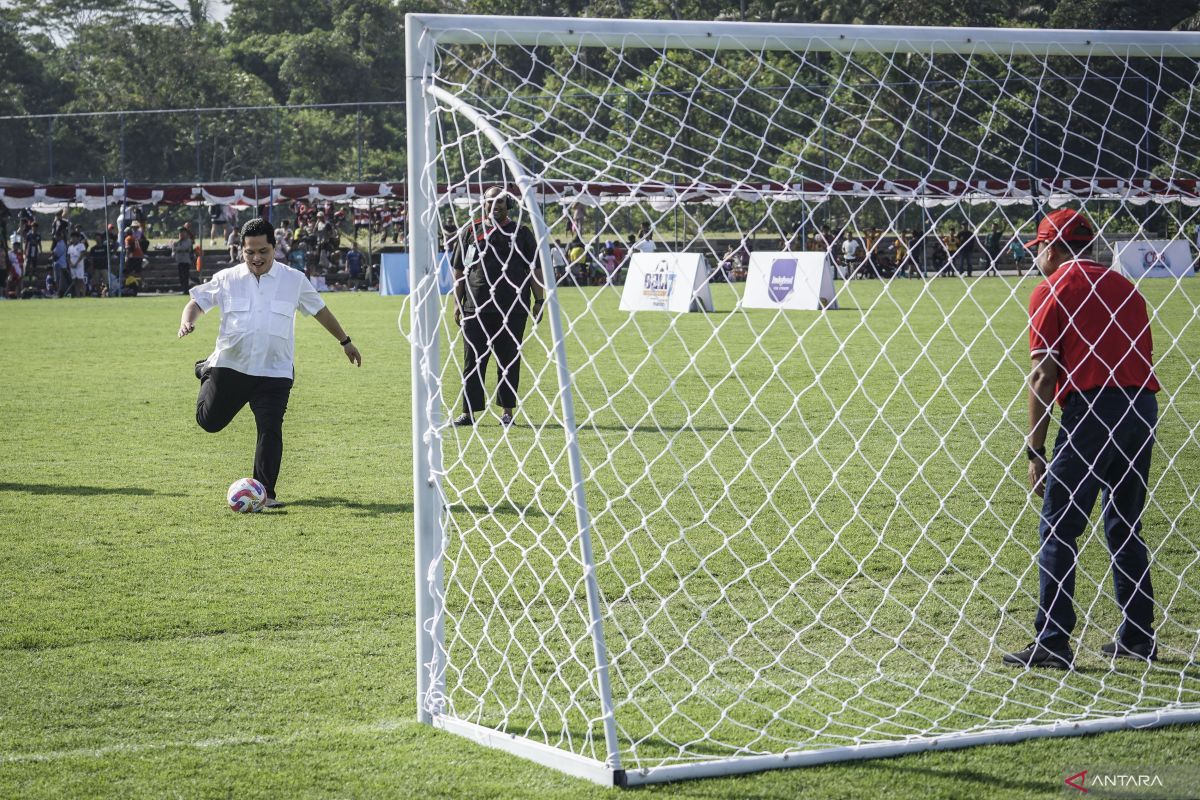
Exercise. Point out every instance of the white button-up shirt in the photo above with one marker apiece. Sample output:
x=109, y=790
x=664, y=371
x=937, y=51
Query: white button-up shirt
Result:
x=258, y=332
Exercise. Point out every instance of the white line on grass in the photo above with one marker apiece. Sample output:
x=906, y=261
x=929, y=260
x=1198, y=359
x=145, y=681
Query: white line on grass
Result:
x=201, y=744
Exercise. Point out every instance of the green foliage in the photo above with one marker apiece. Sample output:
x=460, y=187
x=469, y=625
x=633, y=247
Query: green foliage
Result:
x=677, y=109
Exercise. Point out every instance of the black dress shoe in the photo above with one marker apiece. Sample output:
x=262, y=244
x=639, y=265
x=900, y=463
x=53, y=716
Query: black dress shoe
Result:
x=1145, y=651
x=1038, y=655
x=463, y=420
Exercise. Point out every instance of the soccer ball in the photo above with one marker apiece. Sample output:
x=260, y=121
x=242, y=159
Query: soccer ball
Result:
x=246, y=495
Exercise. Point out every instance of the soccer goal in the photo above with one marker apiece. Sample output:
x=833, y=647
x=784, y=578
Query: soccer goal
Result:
x=784, y=520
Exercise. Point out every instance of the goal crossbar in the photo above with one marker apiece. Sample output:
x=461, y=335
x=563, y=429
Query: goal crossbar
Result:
x=559, y=32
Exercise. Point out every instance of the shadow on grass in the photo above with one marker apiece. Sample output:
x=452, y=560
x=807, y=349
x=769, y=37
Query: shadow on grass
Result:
x=82, y=491
x=990, y=780
x=365, y=509
x=504, y=509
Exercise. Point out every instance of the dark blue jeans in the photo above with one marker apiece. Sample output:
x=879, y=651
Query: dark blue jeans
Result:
x=1103, y=447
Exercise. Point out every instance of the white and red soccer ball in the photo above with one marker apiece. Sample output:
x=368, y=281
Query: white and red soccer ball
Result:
x=246, y=495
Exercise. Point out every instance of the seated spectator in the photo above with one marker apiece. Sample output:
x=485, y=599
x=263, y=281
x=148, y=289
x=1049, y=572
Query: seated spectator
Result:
x=620, y=251
x=609, y=263
x=728, y=260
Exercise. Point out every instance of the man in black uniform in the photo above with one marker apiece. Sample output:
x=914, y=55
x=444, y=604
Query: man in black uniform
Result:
x=497, y=283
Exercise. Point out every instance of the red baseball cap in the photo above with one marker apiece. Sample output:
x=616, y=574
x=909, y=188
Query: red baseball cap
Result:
x=1064, y=225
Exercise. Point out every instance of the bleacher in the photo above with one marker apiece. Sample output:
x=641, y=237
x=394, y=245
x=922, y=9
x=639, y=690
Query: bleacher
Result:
x=159, y=275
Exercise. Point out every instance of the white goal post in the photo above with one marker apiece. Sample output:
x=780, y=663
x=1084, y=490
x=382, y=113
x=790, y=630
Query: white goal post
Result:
x=741, y=539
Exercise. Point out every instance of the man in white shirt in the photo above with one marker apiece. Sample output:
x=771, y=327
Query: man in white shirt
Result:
x=850, y=256
x=644, y=241
x=76, y=254
x=253, y=359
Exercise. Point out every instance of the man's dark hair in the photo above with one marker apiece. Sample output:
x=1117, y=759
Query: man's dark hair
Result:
x=258, y=227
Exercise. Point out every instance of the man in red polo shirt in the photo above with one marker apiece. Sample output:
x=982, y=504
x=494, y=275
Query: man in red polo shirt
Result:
x=1089, y=338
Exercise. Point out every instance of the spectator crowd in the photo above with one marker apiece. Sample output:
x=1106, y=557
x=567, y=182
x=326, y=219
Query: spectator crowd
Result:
x=59, y=258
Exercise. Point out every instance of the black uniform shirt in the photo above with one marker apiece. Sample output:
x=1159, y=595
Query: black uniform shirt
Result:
x=499, y=262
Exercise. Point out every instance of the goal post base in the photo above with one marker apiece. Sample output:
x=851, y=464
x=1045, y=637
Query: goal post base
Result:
x=600, y=773
x=562, y=760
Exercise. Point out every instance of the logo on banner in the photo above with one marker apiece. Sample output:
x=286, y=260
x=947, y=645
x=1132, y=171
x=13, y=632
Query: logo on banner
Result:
x=657, y=284
x=1152, y=259
x=782, y=279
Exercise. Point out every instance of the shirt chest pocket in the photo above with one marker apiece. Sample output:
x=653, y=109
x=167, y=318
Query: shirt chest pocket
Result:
x=280, y=322
x=236, y=314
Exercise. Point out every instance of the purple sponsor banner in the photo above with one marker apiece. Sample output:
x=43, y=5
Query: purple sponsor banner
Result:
x=782, y=279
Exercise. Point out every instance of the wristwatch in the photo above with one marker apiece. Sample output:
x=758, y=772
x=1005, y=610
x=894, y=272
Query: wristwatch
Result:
x=1035, y=453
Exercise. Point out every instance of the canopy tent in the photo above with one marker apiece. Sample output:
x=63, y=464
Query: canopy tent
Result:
x=243, y=194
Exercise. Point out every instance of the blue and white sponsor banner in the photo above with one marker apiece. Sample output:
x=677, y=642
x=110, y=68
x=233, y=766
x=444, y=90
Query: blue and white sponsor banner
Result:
x=794, y=281
x=667, y=282
x=1153, y=258
x=393, y=273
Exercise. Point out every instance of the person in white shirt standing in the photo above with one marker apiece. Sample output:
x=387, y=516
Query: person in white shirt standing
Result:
x=253, y=359
x=76, y=254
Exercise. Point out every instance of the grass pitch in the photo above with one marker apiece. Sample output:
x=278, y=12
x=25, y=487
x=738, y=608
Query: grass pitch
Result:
x=155, y=644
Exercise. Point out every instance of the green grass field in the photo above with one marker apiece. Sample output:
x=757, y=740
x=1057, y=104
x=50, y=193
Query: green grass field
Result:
x=154, y=644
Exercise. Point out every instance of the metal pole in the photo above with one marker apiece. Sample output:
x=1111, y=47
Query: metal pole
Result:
x=50, y=148
x=426, y=362
x=196, y=143
x=124, y=220
x=198, y=237
x=359, y=142
x=121, y=165
x=107, y=241
x=278, y=150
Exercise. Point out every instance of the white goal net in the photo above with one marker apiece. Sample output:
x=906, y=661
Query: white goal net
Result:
x=795, y=527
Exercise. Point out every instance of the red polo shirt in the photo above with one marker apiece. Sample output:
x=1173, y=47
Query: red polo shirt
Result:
x=1094, y=321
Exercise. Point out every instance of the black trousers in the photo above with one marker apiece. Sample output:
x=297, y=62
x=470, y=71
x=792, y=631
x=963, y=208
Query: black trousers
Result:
x=485, y=335
x=184, y=276
x=224, y=391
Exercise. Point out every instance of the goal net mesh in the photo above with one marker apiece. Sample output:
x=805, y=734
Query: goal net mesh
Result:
x=812, y=529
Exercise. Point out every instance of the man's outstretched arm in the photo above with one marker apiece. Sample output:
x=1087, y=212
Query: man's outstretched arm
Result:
x=329, y=322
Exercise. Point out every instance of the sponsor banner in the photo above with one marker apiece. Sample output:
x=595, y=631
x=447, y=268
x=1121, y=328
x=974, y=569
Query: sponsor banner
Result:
x=666, y=282
x=1153, y=258
x=393, y=273
x=796, y=281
